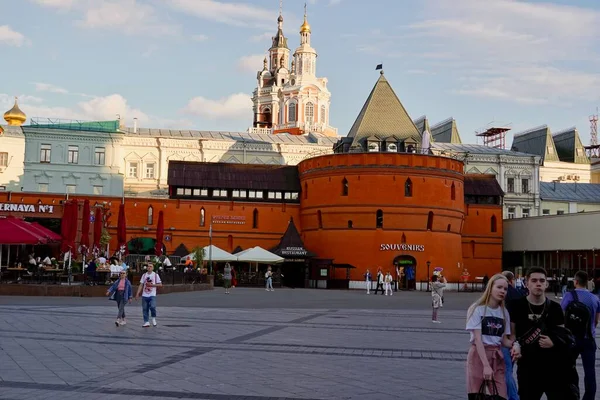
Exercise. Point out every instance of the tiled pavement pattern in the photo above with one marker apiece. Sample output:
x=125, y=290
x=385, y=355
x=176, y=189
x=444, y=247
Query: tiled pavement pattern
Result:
x=72, y=351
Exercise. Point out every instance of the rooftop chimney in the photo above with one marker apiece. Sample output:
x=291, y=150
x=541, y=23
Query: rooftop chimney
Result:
x=135, y=125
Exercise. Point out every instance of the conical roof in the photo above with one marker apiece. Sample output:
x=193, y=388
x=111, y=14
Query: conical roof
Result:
x=383, y=115
x=291, y=244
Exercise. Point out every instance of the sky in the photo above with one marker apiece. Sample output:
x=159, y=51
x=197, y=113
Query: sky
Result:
x=191, y=64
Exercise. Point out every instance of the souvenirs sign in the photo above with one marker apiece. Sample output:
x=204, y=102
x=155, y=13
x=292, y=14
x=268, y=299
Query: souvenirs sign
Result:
x=402, y=247
x=229, y=219
x=27, y=208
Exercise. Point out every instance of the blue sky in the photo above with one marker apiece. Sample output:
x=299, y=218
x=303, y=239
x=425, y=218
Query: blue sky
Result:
x=191, y=64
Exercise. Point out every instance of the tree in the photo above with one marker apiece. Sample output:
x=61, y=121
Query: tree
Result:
x=198, y=256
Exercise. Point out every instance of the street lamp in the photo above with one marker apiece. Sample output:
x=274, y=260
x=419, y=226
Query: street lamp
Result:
x=428, y=276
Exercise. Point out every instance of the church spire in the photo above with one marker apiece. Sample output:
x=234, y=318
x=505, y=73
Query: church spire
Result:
x=305, y=30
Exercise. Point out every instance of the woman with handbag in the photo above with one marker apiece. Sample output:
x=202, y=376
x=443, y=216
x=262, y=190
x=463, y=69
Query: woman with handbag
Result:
x=489, y=325
x=121, y=292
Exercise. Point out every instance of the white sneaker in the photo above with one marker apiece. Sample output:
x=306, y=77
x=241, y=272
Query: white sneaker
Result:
x=123, y=322
x=153, y=321
x=436, y=322
x=146, y=325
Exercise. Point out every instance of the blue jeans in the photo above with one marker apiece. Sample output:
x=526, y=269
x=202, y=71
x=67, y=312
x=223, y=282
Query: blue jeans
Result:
x=148, y=303
x=587, y=349
x=511, y=385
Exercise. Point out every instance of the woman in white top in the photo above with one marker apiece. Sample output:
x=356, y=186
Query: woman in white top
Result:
x=388, y=283
x=489, y=324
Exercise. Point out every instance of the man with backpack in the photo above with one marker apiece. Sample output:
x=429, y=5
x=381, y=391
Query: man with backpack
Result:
x=582, y=313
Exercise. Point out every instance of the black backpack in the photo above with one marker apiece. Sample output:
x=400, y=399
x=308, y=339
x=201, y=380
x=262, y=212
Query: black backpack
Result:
x=578, y=318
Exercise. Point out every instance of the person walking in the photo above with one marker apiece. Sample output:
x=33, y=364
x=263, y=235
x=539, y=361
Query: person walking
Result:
x=488, y=322
x=437, y=294
x=379, y=281
x=121, y=292
x=388, y=283
x=227, y=278
x=368, y=280
x=512, y=294
x=269, y=280
x=147, y=288
x=582, y=314
x=546, y=364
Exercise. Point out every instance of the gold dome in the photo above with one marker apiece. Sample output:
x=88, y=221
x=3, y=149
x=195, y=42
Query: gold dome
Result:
x=305, y=26
x=15, y=116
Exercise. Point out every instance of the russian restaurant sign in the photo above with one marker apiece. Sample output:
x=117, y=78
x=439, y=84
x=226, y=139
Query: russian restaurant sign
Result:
x=293, y=251
x=402, y=247
x=229, y=219
x=27, y=208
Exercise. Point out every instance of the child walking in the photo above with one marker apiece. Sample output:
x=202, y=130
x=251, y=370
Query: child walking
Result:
x=488, y=322
x=122, y=294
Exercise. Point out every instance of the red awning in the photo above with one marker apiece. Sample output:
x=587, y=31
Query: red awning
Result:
x=17, y=231
x=47, y=233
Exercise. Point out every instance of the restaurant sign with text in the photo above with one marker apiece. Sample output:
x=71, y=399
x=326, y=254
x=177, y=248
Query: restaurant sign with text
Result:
x=27, y=208
x=402, y=247
x=229, y=219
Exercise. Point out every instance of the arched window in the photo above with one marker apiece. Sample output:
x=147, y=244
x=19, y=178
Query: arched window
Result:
x=230, y=243
x=379, y=219
x=408, y=188
x=350, y=224
x=472, y=249
x=323, y=114
x=255, y=219
x=452, y=192
x=292, y=112
x=150, y=220
x=403, y=239
x=449, y=227
x=202, y=217
x=305, y=190
x=494, y=227
x=309, y=112
x=345, y=187
x=320, y=219
x=430, y=221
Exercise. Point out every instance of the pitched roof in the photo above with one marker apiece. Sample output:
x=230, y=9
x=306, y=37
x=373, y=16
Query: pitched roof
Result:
x=569, y=147
x=580, y=192
x=383, y=115
x=536, y=141
x=291, y=244
x=422, y=124
x=482, y=185
x=233, y=176
x=446, y=132
x=452, y=148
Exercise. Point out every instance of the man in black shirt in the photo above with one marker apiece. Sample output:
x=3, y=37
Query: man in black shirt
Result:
x=544, y=366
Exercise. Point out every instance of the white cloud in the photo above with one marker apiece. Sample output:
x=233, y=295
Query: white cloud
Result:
x=200, y=38
x=251, y=63
x=262, y=37
x=56, y=3
x=10, y=37
x=236, y=106
x=237, y=14
x=48, y=87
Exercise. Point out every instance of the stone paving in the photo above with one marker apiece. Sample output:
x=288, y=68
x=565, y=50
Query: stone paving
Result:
x=240, y=346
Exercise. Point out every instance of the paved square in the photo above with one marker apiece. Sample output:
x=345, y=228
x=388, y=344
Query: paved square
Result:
x=251, y=344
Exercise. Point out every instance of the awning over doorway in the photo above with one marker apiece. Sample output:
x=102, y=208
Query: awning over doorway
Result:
x=291, y=245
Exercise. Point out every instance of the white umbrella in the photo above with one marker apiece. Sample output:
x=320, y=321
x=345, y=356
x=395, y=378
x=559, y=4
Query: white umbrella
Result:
x=426, y=142
x=259, y=255
x=216, y=254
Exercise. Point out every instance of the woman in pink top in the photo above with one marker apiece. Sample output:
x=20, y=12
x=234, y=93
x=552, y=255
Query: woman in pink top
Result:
x=121, y=292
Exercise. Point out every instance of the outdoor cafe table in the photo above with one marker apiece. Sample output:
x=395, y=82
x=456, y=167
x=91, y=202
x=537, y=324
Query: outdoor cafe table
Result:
x=19, y=271
x=54, y=272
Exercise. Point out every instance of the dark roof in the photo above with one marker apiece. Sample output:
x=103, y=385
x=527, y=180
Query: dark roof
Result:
x=422, y=124
x=237, y=250
x=482, y=185
x=579, y=192
x=446, y=132
x=181, y=251
x=569, y=147
x=536, y=141
x=233, y=176
x=291, y=244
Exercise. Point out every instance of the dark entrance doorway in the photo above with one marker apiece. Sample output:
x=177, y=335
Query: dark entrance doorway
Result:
x=407, y=269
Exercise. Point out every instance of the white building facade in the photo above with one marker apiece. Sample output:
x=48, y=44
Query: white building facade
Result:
x=12, y=154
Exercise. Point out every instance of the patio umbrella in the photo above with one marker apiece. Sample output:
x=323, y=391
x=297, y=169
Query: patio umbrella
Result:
x=97, y=230
x=122, y=232
x=85, y=228
x=160, y=230
x=16, y=231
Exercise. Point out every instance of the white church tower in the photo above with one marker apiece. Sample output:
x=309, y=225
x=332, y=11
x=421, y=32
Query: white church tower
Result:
x=291, y=99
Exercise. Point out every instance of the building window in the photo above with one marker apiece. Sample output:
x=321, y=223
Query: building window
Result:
x=550, y=149
x=98, y=190
x=292, y=112
x=43, y=187
x=150, y=171
x=430, y=221
x=45, y=153
x=494, y=227
x=187, y=192
x=546, y=212
x=452, y=192
x=196, y=192
x=345, y=187
x=271, y=195
x=560, y=212
x=219, y=193
x=320, y=219
x=150, y=219
x=204, y=192
x=309, y=112
x=100, y=156
x=408, y=189
x=350, y=224
x=305, y=191
x=73, y=155
x=3, y=159
x=525, y=212
x=295, y=196
x=391, y=147
x=255, y=219
x=525, y=185
x=579, y=151
x=180, y=191
x=323, y=114
x=510, y=185
x=71, y=189
x=230, y=243
x=2, y=188
x=511, y=212
x=202, y=217
x=239, y=193
x=278, y=195
x=379, y=219
x=133, y=170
